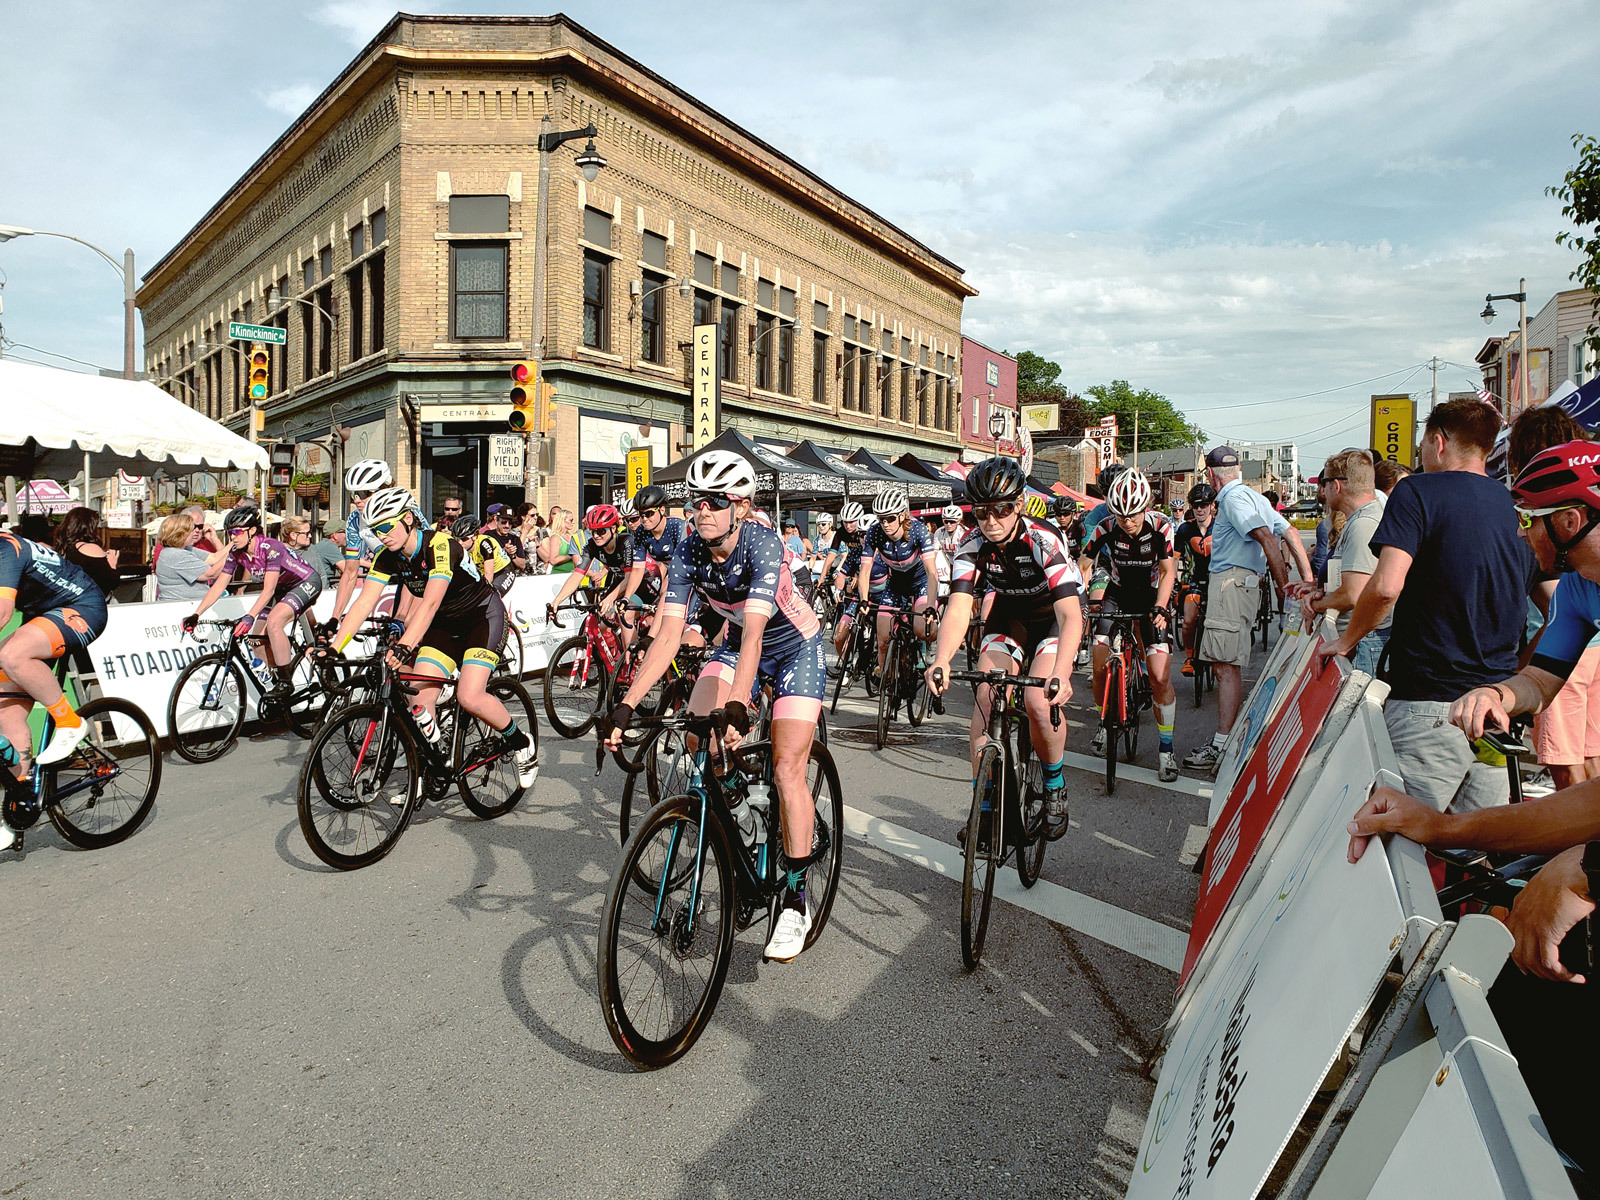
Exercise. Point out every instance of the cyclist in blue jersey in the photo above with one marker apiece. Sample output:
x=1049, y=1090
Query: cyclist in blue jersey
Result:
x=906, y=548
x=737, y=566
x=62, y=609
x=361, y=545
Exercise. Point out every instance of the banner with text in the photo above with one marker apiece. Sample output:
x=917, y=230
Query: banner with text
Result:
x=705, y=405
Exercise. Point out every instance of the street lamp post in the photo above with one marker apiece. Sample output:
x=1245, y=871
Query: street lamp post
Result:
x=589, y=161
x=1521, y=297
x=7, y=232
x=997, y=426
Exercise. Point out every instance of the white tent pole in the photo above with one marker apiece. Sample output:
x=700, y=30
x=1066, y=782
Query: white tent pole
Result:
x=11, y=498
x=86, y=503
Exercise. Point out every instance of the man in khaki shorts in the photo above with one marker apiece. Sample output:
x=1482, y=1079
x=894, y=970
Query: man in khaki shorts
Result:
x=1246, y=540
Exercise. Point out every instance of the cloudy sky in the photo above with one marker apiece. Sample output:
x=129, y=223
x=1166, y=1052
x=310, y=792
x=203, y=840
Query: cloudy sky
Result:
x=1238, y=204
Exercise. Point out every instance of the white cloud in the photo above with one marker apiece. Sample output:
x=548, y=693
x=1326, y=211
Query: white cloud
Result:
x=291, y=101
x=358, y=20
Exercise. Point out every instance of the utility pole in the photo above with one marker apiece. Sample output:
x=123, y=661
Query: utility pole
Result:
x=1136, y=439
x=1434, y=403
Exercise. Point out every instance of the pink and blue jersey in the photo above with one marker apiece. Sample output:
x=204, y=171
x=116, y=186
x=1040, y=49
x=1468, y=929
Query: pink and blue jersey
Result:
x=754, y=579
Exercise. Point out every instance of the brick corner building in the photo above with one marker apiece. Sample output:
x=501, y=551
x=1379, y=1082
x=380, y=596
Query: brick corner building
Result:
x=390, y=232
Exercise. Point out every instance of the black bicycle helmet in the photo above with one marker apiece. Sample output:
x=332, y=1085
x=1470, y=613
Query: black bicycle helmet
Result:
x=464, y=527
x=245, y=516
x=1108, y=476
x=1202, y=493
x=995, y=480
x=1063, y=507
x=652, y=495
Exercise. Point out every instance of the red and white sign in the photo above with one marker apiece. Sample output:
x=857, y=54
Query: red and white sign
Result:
x=1104, y=437
x=1255, y=798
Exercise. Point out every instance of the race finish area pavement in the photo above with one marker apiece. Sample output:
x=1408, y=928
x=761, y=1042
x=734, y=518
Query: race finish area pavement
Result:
x=207, y=1010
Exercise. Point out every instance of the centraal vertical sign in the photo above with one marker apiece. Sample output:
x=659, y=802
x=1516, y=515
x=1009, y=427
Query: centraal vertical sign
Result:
x=1393, y=425
x=707, y=416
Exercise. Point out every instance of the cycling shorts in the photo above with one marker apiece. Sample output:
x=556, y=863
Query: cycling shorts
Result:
x=797, y=678
x=477, y=643
x=1100, y=580
x=1021, y=631
x=301, y=596
x=1155, y=641
x=907, y=588
x=852, y=607
x=72, y=626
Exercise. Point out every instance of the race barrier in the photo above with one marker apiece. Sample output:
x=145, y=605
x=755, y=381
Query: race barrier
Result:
x=1309, y=977
x=143, y=648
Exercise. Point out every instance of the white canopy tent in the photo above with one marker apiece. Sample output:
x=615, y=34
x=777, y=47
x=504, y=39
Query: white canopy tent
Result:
x=63, y=422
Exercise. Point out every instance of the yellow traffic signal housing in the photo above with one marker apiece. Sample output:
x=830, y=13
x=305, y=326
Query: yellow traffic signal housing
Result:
x=260, y=369
x=523, y=376
x=547, y=393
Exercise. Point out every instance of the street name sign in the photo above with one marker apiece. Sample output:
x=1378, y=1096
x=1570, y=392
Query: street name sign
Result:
x=238, y=331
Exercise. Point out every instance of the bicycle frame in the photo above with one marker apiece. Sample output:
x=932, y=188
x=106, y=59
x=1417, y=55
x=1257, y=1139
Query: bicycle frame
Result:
x=1126, y=645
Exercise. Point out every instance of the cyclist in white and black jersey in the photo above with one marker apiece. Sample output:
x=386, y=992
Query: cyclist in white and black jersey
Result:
x=361, y=545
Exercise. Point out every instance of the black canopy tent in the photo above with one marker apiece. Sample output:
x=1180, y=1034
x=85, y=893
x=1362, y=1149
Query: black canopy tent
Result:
x=913, y=465
x=861, y=481
x=917, y=486
x=779, y=478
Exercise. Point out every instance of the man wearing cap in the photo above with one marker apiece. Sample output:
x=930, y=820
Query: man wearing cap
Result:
x=1246, y=537
x=499, y=527
x=328, y=554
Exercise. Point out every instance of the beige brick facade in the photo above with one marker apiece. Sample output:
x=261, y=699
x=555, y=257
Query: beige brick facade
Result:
x=441, y=107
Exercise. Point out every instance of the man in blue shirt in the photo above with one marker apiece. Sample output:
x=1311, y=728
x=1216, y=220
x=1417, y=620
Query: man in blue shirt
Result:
x=1247, y=539
x=1455, y=572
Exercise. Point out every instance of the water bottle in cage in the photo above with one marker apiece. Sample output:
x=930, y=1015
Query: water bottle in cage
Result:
x=426, y=723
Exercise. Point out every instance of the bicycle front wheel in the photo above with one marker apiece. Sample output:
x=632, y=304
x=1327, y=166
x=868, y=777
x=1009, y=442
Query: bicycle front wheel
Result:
x=982, y=859
x=101, y=794
x=887, y=689
x=206, y=708
x=664, y=948
x=575, y=685
x=846, y=666
x=1033, y=822
x=1116, y=700
x=493, y=788
x=358, y=787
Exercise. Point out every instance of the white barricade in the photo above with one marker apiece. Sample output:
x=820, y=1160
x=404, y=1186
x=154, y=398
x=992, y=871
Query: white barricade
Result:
x=1283, y=663
x=139, y=655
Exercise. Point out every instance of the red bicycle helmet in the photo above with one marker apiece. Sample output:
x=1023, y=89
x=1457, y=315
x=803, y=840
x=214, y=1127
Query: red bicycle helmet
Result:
x=1560, y=476
x=601, y=516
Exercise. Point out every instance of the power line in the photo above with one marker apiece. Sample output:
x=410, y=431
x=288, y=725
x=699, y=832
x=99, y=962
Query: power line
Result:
x=1347, y=421
x=1308, y=395
x=53, y=354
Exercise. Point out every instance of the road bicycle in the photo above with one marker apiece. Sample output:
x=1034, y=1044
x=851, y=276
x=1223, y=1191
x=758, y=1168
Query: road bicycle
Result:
x=1018, y=821
x=1125, y=694
x=207, y=704
x=902, y=679
x=102, y=793
x=1262, y=625
x=1205, y=675
x=581, y=673
x=372, y=764
x=859, y=660
x=692, y=875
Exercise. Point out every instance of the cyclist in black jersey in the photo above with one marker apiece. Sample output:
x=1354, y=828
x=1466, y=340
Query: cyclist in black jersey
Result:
x=1140, y=548
x=1036, y=620
x=1194, y=547
x=612, y=549
x=457, y=625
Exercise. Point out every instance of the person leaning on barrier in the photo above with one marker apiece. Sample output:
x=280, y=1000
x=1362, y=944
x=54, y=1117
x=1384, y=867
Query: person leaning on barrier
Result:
x=1454, y=573
x=1346, y=487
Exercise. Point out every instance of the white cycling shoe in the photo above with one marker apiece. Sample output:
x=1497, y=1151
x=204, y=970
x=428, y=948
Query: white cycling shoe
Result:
x=8, y=836
x=1169, y=767
x=789, y=936
x=527, y=766
x=63, y=742
x=1098, y=746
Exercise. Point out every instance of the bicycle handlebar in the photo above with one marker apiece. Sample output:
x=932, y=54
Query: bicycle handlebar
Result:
x=1052, y=688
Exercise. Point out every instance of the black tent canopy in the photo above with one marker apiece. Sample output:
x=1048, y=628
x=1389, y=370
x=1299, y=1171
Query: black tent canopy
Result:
x=780, y=479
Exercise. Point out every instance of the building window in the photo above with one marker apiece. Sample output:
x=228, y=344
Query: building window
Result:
x=379, y=222
x=849, y=365
x=596, y=300
x=764, y=293
x=819, y=314
x=704, y=314
x=309, y=274
x=850, y=329
x=705, y=269
x=308, y=340
x=864, y=368
x=764, y=327
x=375, y=281
x=325, y=263
x=728, y=343
x=786, y=358
x=888, y=341
x=477, y=291
x=730, y=279
x=479, y=214
x=905, y=392
x=786, y=303
x=885, y=389
x=654, y=250
x=356, y=314
x=597, y=228
x=924, y=400
x=650, y=317
x=358, y=242
x=819, y=368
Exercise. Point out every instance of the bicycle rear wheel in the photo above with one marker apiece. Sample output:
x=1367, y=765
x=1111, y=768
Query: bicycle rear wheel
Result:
x=981, y=860
x=664, y=949
x=575, y=685
x=916, y=692
x=358, y=787
x=887, y=690
x=493, y=789
x=1116, y=700
x=847, y=662
x=206, y=708
x=104, y=791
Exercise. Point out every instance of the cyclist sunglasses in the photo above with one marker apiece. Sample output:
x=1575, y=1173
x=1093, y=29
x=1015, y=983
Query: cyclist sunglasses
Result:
x=715, y=501
x=993, y=512
x=1525, y=516
x=382, y=528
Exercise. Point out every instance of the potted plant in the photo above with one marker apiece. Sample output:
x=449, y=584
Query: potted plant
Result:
x=225, y=498
x=308, y=486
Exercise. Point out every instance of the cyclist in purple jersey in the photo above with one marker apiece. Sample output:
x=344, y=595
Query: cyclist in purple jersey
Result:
x=289, y=585
x=738, y=568
x=906, y=548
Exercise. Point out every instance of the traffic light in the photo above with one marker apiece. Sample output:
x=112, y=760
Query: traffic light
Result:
x=260, y=367
x=523, y=377
x=547, y=393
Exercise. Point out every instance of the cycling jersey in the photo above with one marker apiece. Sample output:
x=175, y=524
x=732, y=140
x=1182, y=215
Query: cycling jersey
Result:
x=753, y=579
x=50, y=593
x=359, y=540
x=1029, y=569
x=616, y=556
x=438, y=556
x=1134, y=559
x=1194, y=543
x=486, y=549
x=1569, y=626
x=947, y=539
x=270, y=555
x=656, y=550
x=903, y=555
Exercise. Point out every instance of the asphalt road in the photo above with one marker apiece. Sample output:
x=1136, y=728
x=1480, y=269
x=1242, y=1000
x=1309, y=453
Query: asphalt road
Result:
x=206, y=1010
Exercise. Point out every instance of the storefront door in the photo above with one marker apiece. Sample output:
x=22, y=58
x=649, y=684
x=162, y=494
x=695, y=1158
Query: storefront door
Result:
x=597, y=484
x=450, y=472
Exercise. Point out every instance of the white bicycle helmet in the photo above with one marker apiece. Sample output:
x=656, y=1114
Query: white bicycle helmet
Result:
x=825, y=521
x=722, y=473
x=1129, y=495
x=368, y=475
x=891, y=501
x=386, y=504
x=851, y=512
x=952, y=512
x=626, y=509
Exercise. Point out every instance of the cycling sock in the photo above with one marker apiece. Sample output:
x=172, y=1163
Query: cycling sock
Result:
x=1164, y=715
x=1052, y=774
x=8, y=755
x=794, y=881
x=61, y=712
x=511, y=727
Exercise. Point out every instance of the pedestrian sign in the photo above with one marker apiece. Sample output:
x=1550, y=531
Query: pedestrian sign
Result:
x=238, y=331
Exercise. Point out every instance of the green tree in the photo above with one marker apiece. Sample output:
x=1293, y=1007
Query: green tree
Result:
x=1579, y=194
x=1038, y=383
x=1161, y=425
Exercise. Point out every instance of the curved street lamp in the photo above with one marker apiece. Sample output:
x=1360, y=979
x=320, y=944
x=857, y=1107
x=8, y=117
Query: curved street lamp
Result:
x=125, y=269
x=1521, y=297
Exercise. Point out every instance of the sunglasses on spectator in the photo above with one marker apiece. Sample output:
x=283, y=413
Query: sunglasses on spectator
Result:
x=452, y=508
x=714, y=501
x=993, y=512
x=1525, y=516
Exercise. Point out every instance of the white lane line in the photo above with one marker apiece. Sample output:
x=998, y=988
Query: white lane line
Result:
x=1194, y=845
x=1083, y=1042
x=1111, y=841
x=1097, y=766
x=1034, y=1004
x=1137, y=935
